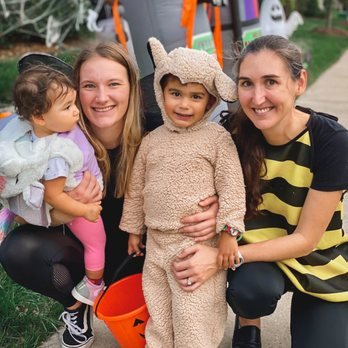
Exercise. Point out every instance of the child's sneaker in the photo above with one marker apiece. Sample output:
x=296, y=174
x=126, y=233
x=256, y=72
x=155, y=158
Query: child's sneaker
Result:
x=86, y=291
x=78, y=331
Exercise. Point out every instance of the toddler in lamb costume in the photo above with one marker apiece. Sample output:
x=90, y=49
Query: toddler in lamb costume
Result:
x=180, y=163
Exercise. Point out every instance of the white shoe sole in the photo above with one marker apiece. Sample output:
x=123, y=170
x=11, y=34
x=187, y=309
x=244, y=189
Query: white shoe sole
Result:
x=82, y=345
x=81, y=298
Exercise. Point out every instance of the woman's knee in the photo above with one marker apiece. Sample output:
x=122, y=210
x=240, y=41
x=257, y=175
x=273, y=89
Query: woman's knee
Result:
x=31, y=248
x=44, y=260
x=254, y=289
x=14, y=248
x=316, y=323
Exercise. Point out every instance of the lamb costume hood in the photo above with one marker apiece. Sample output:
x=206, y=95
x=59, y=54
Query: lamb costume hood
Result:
x=190, y=66
x=175, y=168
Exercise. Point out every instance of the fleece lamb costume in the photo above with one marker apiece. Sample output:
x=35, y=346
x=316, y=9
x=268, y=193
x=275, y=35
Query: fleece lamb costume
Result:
x=175, y=169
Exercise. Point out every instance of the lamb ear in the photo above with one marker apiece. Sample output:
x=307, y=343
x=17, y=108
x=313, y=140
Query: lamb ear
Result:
x=226, y=87
x=156, y=51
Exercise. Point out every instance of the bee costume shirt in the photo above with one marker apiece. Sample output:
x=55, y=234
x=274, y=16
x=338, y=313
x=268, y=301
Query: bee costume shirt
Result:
x=317, y=158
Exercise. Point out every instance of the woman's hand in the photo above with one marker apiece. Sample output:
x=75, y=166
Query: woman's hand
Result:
x=202, y=226
x=198, y=263
x=88, y=191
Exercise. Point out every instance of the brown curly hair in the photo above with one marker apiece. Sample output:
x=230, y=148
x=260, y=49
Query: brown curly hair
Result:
x=32, y=92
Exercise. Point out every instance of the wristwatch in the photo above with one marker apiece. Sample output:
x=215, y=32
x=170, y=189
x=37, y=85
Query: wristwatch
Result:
x=232, y=231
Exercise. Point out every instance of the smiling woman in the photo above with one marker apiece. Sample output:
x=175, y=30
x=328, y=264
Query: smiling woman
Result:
x=295, y=179
x=59, y=262
x=104, y=99
x=120, y=91
x=267, y=94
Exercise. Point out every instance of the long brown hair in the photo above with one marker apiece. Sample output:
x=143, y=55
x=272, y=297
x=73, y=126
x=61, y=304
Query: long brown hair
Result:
x=249, y=140
x=132, y=129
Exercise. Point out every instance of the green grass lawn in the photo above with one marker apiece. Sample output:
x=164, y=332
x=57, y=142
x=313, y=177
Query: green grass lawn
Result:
x=322, y=50
x=26, y=318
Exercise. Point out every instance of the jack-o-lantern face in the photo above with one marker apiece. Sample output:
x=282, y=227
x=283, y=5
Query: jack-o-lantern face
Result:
x=139, y=327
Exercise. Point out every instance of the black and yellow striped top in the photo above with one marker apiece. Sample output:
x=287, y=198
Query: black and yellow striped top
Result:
x=317, y=158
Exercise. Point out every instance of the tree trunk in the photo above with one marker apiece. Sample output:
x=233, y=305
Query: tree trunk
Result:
x=287, y=8
x=329, y=6
x=299, y=6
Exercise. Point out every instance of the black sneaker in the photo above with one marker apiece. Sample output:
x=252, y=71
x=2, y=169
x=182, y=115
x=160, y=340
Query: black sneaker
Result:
x=78, y=331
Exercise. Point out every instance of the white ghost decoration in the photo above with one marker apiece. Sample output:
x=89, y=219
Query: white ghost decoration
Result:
x=273, y=20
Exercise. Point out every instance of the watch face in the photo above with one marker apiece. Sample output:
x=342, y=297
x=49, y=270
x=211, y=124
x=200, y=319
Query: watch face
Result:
x=40, y=58
x=234, y=232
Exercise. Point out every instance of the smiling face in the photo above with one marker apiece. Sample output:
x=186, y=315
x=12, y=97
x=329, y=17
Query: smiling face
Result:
x=267, y=92
x=104, y=92
x=185, y=104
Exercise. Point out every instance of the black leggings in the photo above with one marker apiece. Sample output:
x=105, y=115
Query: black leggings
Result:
x=254, y=290
x=50, y=260
x=46, y=261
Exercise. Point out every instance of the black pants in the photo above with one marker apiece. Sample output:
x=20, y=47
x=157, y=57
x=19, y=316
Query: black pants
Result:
x=254, y=290
x=50, y=260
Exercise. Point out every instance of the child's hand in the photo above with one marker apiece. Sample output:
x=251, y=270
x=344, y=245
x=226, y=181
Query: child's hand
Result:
x=93, y=211
x=135, y=244
x=228, y=251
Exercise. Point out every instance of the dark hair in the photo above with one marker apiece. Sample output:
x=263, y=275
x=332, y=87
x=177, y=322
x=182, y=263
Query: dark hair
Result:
x=282, y=47
x=165, y=79
x=249, y=140
x=168, y=78
x=32, y=92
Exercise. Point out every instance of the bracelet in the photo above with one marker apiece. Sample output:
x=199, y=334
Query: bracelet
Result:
x=234, y=232
x=241, y=260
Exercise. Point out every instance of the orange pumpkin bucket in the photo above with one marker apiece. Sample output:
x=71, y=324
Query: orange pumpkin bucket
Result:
x=122, y=307
x=5, y=114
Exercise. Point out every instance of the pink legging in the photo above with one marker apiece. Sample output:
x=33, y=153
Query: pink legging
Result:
x=92, y=236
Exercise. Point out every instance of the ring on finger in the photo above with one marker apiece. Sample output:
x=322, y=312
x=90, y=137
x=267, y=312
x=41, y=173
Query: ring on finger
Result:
x=188, y=281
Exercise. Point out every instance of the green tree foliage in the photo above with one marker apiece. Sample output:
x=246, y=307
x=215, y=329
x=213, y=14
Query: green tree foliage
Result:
x=312, y=9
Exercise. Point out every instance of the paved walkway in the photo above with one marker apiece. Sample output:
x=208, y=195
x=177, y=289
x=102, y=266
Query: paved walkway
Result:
x=328, y=94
